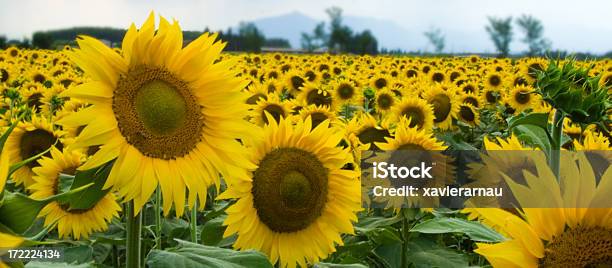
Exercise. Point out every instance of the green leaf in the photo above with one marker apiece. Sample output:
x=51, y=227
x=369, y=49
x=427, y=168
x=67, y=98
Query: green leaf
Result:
x=78, y=254
x=390, y=255
x=335, y=265
x=89, y=198
x=382, y=235
x=533, y=135
x=475, y=230
x=424, y=253
x=188, y=254
x=536, y=119
x=37, y=264
x=212, y=231
x=18, y=211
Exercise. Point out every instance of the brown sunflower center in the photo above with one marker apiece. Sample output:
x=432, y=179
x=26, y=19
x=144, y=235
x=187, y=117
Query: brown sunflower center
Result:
x=416, y=116
x=4, y=75
x=437, y=77
x=494, y=80
x=371, y=135
x=384, y=101
x=467, y=114
x=442, y=106
x=411, y=73
x=522, y=97
x=255, y=98
x=317, y=118
x=318, y=98
x=34, y=100
x=275, y=111
x=289, y=189
x=580, y=247
x=491, y=96
x=380, y=83
x=35, y=142
x=296, y=82
x=345, y=91
x=157, y=113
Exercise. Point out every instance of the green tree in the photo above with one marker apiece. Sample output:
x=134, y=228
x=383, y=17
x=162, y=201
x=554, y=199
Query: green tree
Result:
x=364, y=43
x=340, y=36
x=436, y=38
x=277, y=42
x=42, y=40
x=318, y=38
x=534, y=31
x=500, y=32
x=2, y=42
x=251, y=39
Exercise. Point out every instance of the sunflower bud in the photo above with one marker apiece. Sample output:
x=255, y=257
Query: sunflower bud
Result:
x=572, y=91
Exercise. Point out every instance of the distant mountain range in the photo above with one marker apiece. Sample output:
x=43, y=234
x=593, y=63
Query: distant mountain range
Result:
x=389, y=34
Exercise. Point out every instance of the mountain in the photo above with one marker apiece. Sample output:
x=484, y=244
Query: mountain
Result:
x=289, y=26
x=388, y=33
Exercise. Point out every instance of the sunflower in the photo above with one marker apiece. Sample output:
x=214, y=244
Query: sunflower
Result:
x=493, y=80
x=437, y=76
x=384, y=101
x=273, y=86
x=38, y=76
x=294, y=82
x=511, y=157
x=567, y=233
x=33, y=97
x=345, y=92
x=318, y=115
x=420, y=113
x=530, y=67
x=380, y=81
x=445, y=105
x=29, y=139
x=75, y=223
x=472, y=99
x=167, y=114
x=256, y=93
x=606, y=79
x=315, y=94
x=407, y=137
x=369, y=130
x=521, y=98
x=468, y=114
x=273, y=106
x=6, y=73
x=298, y=194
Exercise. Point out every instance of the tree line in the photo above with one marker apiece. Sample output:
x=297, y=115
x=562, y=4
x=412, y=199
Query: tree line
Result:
x=247, y=37
x=334, y=36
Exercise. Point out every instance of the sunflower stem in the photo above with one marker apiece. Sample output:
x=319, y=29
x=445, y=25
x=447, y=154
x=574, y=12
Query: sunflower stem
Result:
x=133, y=242
x=194, y=223
x=158, y=223
x=555, y=152
x=405, y=234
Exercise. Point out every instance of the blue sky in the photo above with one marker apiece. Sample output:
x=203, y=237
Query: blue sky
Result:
x=584, y=25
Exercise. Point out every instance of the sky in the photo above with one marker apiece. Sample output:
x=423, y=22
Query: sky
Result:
x=584, y=25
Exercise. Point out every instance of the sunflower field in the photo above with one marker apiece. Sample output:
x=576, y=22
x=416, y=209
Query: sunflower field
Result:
x=159, y=154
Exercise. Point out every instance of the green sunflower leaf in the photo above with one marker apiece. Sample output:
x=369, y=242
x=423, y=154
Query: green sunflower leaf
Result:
x=475, y=230
x=188, y=254
x=89, y=198
x=536, y=119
